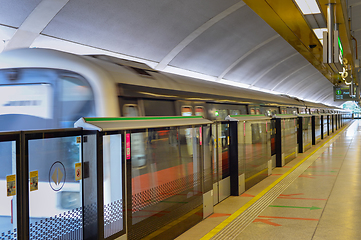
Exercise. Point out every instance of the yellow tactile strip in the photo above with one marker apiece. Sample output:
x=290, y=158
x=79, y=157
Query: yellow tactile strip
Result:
x=234, y=224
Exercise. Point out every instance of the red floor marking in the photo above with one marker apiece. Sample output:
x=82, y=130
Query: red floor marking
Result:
x=289, y=195
x=267, y=221
x=291, y=218
x=306, y=176
x=303, y=198
x=219, y=215
x=321, y=167
x=321, y=175
x=247, y=195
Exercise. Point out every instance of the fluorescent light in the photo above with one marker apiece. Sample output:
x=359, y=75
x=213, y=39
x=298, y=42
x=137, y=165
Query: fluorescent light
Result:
x=319, y=32
x=308, y=6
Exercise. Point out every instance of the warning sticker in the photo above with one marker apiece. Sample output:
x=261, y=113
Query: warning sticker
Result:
x=34, y=181
x=78, y=140
x=78, y=172
x=11, y=186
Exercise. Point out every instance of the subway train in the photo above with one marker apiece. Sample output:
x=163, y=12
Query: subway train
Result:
x=42, y=88
x=49, y=89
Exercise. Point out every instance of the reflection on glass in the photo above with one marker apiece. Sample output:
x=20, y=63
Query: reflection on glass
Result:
x=207, y=164
x=57, y=202
x=289, y=136
x=200, y=111
x=186, y=111
x=221, y=114
x=317, y=127
x=130, y=110
x=307, y=132
x=223, y=162
x=214, y=155
x=257, y=148
x=113, y=184
x=7, y=203
x=234, y=112
x=171, y=175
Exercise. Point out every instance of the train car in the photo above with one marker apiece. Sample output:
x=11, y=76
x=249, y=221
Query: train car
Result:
x=45, y=89
x=42, y=88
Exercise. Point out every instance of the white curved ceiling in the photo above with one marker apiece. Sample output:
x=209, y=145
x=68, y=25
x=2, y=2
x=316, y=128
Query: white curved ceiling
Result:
x=221, y=40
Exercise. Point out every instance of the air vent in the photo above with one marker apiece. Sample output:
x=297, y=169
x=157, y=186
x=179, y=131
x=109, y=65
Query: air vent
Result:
x=123, y=62
x=141, y=72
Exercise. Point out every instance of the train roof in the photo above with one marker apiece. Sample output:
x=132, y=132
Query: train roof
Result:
x=121, y=71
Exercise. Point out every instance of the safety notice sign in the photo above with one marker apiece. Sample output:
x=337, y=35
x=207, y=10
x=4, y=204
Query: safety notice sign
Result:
x=34, y=181
x=10, y=185
x=78, y=172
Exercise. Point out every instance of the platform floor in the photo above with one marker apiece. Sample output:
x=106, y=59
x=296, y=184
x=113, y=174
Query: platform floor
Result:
x=323, y=202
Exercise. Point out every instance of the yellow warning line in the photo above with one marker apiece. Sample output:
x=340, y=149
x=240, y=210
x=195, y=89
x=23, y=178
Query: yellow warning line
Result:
x=290, y=155
x=223, y=224
x=172, y=224
x=256, y=175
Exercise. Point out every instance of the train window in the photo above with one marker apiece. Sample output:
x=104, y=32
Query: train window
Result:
x=130, y=110
x=153, y=107
x=235, y=112
x=200, y=111
x=187, y=111
x=221, y=114
x=76, y=98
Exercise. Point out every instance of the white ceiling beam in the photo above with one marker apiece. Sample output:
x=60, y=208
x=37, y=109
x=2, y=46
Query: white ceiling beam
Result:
x=284, y=79
x=300, y=82
x=315, y=82
x=323, y=96
x=196, y=33
x=318, y=93
x=233, y=65
x=327, y=96
x=273, y=67
x=35, y=23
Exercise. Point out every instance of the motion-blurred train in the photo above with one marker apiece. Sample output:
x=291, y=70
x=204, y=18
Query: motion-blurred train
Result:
x=47, y=89
x=42, y=88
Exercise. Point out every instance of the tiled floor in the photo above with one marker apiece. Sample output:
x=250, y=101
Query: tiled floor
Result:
x=324, y=202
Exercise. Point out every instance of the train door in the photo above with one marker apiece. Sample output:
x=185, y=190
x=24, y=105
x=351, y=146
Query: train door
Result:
x=221, y=173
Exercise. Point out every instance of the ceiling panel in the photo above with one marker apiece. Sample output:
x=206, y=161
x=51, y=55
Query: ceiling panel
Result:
x=313, y=89
x=258, y=64
x=221, y=45
x=145, y=29
x=326, y=96
x=14, y=12
x=281, y=72
x=303, y=84
x=304, y=74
